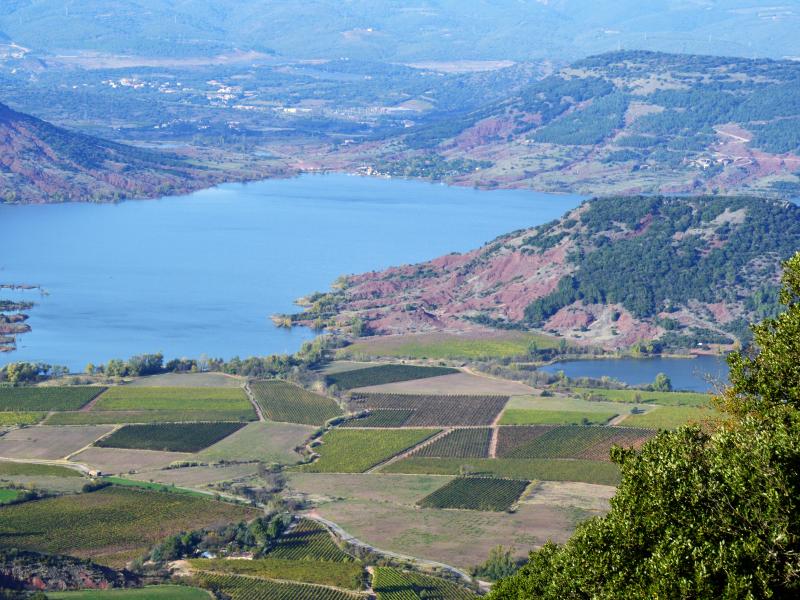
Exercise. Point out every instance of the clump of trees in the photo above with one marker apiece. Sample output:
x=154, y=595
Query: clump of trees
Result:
x=26, y=372
x=700, y=512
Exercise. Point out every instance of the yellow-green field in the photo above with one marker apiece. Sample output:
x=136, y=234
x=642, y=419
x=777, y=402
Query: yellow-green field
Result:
x=670, y=417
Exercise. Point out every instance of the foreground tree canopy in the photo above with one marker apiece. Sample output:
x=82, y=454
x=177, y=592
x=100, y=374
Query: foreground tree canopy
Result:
x=702, y=512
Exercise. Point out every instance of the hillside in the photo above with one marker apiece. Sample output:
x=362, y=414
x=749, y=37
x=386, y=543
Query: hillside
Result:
x=43, y=163
x=625, y=122
x=686, y=272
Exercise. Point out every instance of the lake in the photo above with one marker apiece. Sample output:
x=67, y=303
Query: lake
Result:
x=699, y=374
x=201, y=274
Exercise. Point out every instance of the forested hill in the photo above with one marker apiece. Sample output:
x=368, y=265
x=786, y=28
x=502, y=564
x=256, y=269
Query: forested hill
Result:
x=630, y=122
x=40, y=162
x=672, y=272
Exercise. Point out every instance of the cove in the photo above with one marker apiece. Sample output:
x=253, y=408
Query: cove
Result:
x=202, y=273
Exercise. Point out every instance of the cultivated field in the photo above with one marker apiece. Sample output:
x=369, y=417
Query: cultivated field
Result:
x=286, y=402
x=632, y=396
x=356, y=451
x=476, y=493
x=46, y=399
x=156, y=592
x=442, y=346
x=199, y=476
x=49, y=442
x=248, y=588
x=203, y=399
x=115, y=417
x=192, y=380
x=510, y=438
x=435, y=411
x=12, y=469
x=455, y=383
x=10, y=419
x=558, y=410
x=383, y=374
x=670, y=417
x=110, y=523
x=263, y=441
x=169, y=437
x=588, y=471
x=121, y=460
x=583, y=496
x=308, y=540
x=394, y=584
x=335, y=573
x=588, y=443
x=382, y=418
x=460, y=443
x=379, y=488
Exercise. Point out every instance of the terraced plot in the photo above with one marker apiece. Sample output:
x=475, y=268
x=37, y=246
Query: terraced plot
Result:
x=249, y=588
x=338, y=574
x=45, y=399
x=592, y=443
x=476, y=493
x=289, y=403
x=382, y=374
x=358, y=450
x=111, y=525
x=382, y=418
x=169, y=437
x=434, y=411
x=309, y=540
x=459, y=443
x=394, y=584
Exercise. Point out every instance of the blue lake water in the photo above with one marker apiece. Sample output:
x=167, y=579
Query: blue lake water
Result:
x=201, y=274
x=700, y=374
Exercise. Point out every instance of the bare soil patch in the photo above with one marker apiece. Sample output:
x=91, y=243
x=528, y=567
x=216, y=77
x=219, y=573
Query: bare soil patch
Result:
x=120, y=461
x=201, y=476
x=49, y=443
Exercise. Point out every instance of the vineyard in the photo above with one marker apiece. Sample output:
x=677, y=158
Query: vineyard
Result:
x=12, y=469
x=358, y=450
x=433, y=410
x=511, y=438
x=382, y=418
x=26, y=399
x=460, y=443
x=383, y=374
x=309, y=540
x=110, y=521
x=338, y=574
x=154, y=592
x=249, y=588
x=593, y=443
x=476, y=493
x=169, y=437
x=394, y=584
x=286, y=402
x=112, y=417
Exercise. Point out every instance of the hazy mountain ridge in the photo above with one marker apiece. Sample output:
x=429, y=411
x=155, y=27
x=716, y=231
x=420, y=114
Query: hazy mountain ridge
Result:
x=613, y=272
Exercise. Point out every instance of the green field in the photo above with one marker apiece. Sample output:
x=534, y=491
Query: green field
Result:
x=358, y=450
x=203, y=399
x=289, y=403
x=45, y=399
x=382, y=418
x=670, y=417
x=7, y=495
x=156, y=592
x=152, y=486
x=476, y=493
x=460, y=443
x=521, y=416
x=111, y=525
x=12, y=469
x=586, y=471
x=308, y=540
x=630, y=396
x=394, y=584
x=338, y=574
x=383, y=374
x=169, y=437
x=442, y=346
x=249, y=588
x=263, y=441
x=8, y=419
x=589, y=443
x=113, y=417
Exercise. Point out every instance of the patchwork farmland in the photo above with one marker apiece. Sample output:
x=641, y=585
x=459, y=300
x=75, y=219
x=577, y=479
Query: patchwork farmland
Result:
x=289, y=403
x=434, y=411
x=476, y=493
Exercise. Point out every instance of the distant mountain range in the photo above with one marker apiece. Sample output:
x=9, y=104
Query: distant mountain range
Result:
x=671, y=273
x=40, y=162
x=391, y=30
